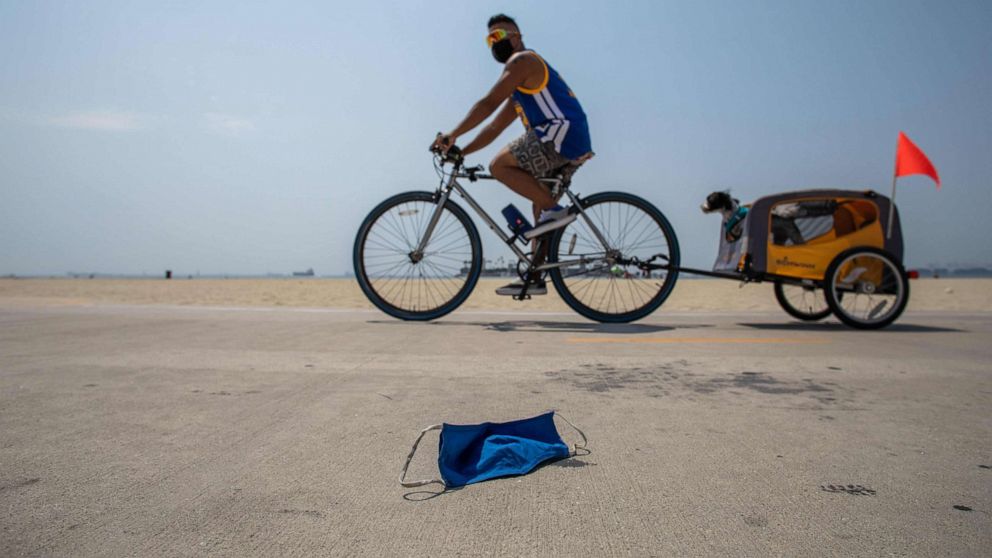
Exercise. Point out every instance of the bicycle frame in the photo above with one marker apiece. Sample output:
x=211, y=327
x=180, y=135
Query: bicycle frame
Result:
x=444, y=193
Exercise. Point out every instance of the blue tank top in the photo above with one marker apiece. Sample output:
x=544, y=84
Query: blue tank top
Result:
x=554, y=114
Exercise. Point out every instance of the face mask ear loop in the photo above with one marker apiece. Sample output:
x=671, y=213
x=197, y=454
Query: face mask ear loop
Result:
x=575, y=447
x=409, y=458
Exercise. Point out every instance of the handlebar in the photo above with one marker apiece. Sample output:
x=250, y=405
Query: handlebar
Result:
x=452, y=155
x=455, y=156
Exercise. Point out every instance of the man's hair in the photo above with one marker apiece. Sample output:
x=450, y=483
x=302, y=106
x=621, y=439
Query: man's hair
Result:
x=502, y=18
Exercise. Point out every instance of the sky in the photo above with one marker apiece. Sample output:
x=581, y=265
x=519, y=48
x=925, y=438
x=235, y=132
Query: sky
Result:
x=250, y=138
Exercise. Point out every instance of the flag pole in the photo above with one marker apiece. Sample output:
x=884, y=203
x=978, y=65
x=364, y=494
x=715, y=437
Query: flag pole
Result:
x=892, y=207
x=892, y=199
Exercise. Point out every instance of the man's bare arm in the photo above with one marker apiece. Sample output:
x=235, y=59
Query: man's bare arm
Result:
x=517, y=70
x=504, y=118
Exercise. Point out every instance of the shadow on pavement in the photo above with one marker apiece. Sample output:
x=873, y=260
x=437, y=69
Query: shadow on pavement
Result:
x=835, y=326
x=567, y=327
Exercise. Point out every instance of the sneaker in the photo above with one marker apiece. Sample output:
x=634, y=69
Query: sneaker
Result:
x=517, y=287
x=550, y=219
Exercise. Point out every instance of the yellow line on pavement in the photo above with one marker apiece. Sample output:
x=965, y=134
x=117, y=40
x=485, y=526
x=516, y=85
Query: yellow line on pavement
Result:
x=714, y=340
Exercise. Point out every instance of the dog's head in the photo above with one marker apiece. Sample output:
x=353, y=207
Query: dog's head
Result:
x=719, y=201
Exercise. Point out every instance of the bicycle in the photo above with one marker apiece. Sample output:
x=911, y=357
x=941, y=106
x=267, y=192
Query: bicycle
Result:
x=410, y=250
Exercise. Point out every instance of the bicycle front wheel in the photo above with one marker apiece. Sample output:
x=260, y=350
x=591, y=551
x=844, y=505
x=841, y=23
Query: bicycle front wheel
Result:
x=598, y=283
x=403, y=285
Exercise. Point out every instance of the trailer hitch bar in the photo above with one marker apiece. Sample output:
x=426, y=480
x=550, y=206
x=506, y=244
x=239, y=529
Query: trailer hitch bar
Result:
x=649, y=265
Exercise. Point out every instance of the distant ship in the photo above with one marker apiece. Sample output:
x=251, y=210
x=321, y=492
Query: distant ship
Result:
x=307, y=273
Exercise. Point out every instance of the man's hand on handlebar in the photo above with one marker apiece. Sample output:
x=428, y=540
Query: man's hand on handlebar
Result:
x=444, y=145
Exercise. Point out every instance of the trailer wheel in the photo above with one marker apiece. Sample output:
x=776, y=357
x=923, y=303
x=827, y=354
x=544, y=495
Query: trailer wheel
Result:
x=802, y=302
x=866, y=288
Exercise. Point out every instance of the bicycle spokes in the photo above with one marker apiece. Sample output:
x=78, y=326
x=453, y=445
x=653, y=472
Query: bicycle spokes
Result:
x=413, y=280
x=608, y=282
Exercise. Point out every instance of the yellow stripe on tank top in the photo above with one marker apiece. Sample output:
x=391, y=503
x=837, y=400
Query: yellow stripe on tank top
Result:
x=544, y=84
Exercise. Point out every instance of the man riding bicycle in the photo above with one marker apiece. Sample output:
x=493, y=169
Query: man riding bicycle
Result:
x=556, y=141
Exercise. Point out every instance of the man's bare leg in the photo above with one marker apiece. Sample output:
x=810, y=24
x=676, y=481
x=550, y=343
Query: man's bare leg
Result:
x=504, y=167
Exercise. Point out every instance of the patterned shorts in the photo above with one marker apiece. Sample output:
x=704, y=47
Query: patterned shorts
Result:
x=540, y=158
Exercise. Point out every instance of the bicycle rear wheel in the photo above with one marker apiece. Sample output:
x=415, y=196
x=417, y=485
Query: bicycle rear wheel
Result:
x=600, y=285
x=403, y=286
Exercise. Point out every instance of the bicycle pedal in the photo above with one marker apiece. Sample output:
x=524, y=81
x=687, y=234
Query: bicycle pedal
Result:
x=521, y=297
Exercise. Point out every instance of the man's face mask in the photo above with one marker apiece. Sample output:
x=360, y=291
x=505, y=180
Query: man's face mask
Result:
x=501, y=45
x=471, y=453
x=502, y=51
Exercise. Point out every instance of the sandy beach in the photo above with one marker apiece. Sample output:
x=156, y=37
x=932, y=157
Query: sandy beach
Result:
x=973, y=295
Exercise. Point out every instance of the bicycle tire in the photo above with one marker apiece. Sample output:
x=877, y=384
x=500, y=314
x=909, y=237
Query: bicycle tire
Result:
x=797, y=312
x=570, y=293
x=443, y=301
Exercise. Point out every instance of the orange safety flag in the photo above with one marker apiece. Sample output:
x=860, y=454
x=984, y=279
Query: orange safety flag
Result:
x=911, y=160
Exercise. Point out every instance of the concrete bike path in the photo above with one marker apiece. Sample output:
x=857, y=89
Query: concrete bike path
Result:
x=150, y=430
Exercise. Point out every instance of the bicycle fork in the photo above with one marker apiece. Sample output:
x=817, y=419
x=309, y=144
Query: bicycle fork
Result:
x=442, y=198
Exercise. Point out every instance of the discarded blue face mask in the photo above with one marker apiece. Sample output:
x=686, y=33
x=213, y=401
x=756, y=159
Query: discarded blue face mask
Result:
x=471, y=453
